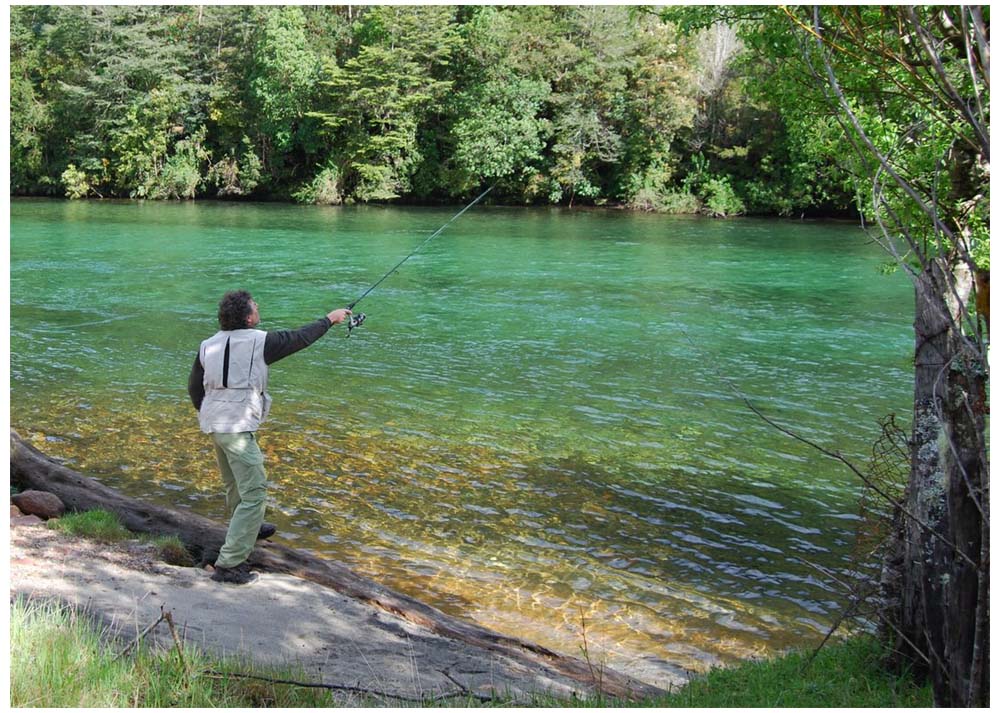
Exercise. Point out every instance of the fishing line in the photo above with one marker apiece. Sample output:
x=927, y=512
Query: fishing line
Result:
x=357, y=319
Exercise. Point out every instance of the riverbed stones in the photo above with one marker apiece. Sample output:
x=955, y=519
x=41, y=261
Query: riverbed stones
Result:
x=38, y=502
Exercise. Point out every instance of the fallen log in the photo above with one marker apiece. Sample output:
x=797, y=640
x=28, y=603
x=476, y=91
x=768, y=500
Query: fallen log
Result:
x=30, y=468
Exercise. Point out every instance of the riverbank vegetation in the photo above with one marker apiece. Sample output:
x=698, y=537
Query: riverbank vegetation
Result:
x=59, y=658
x=104, y=526
x=327, y=104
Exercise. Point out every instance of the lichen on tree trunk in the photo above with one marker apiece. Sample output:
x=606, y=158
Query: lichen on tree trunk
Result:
x=937, y=570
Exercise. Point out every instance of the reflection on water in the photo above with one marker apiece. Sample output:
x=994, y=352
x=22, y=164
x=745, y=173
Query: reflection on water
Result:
x=534, y=428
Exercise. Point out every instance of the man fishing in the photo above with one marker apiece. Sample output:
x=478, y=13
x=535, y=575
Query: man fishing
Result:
x=228, y=386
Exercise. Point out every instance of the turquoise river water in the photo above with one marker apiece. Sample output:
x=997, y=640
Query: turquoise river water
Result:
x=539, y=426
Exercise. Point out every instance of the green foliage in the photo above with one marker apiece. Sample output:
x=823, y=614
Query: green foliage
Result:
x=384, y=93
x=284, y=70
x=843, y=675
x=181, y=174
x=60, y=659
x=327, y=103
x=76, y=182
x=324, y=189
x=236, y=175
x=99, y=525
x=499, y=124
x=29, y=122
x=720, y=199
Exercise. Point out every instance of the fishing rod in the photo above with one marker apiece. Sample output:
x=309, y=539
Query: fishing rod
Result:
x=358, y=319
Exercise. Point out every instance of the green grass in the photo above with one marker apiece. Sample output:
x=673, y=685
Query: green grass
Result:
x=60, y=659
x=171, y=550
x=104, y=526
x=846, y=674
x=97, y=525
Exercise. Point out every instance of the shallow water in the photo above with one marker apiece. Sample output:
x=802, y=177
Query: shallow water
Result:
x=540, y=426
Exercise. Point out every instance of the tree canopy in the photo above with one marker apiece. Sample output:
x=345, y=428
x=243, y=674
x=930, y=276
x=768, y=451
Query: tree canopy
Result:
x=555, y=104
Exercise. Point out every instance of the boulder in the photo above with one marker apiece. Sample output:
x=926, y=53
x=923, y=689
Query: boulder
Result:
x=15, y=511
x=38, y=502
x=26, y=520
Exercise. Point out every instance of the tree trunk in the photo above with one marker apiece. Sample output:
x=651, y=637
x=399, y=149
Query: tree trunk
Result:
x=203, y=537
x=937, y=573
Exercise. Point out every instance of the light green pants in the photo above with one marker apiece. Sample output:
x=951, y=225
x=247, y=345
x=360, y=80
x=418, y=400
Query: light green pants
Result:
x=242, y=466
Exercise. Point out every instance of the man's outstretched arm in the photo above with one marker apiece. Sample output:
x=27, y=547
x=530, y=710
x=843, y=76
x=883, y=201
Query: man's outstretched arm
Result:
x=285, y=342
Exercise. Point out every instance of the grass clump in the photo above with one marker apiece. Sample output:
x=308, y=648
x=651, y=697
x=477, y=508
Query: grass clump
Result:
x=99, y=525
x=171, y=550
x=60, y=659
x=104, y=526
x=846, y=674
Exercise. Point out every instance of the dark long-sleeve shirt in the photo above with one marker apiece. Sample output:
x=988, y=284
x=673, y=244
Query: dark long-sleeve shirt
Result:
x=277, y=345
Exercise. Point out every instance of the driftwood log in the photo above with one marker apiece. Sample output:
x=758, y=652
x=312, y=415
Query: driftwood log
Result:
x=30, y=468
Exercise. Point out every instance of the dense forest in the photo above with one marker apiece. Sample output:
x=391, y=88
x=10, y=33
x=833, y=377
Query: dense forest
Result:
x=328, y=104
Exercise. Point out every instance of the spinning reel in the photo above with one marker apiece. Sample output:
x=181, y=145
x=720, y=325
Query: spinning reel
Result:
x=356, y=320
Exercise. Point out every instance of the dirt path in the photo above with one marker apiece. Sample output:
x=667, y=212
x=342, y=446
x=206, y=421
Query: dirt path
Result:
x=279, y=619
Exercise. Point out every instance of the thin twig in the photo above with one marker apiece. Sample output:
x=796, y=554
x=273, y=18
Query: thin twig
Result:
x=352, y=689
x=845, y=614
x=885, y=620
x=903, y=184
x=141, y=635
x=865, y=479
x=177, y=642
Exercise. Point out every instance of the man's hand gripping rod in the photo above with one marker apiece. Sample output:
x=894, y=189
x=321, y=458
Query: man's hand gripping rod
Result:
x=358, y=319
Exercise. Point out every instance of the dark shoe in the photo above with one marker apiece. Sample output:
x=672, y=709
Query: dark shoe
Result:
x=240, y=574
x=266, y=530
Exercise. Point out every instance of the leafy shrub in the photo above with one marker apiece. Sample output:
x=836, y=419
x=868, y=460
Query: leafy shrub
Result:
x=680, y=203
x=76, y=182
x=236, y=176
x=376, y=182
x=720, y=198
x=673, y=202
x=645, y=199
x=770, y=193
x=324, y=189
x=180, y=178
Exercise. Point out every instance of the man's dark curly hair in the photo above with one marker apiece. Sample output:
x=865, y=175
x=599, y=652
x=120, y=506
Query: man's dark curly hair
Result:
x=234, y=308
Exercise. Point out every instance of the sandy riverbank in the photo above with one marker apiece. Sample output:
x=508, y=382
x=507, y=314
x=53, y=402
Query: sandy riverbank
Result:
x=278, y=619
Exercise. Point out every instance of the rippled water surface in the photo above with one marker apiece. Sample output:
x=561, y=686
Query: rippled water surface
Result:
x=539, y=426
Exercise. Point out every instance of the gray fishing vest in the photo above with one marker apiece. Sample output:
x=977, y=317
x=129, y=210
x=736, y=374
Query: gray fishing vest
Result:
x=236, y=398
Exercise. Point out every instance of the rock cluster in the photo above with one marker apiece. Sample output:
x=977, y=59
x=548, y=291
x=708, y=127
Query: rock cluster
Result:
x=33, y=506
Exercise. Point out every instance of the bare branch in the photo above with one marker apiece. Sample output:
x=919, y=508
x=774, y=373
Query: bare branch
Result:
x=862, y=134
x=948, y=89
x=465, y=693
